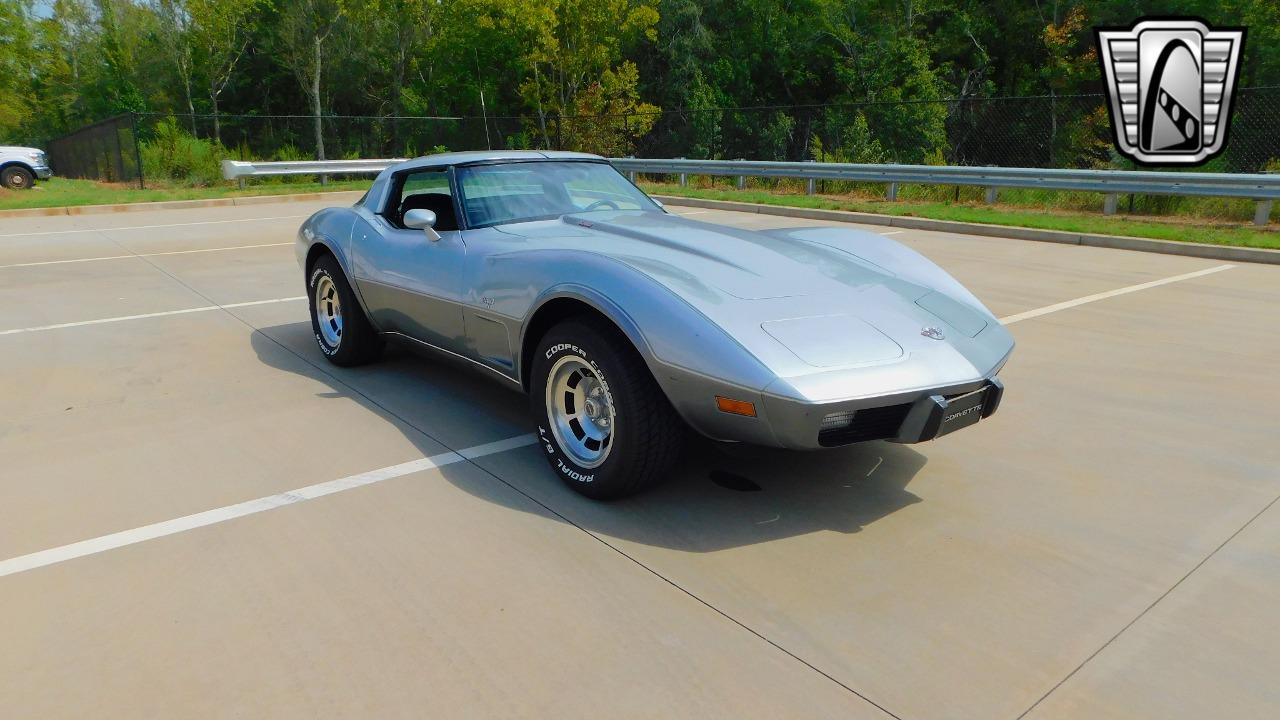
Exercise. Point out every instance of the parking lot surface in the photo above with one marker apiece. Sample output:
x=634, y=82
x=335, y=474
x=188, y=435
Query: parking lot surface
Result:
x=201, y=518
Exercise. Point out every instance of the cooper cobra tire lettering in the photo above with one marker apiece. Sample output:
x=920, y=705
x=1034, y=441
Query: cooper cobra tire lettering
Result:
x=555, y=349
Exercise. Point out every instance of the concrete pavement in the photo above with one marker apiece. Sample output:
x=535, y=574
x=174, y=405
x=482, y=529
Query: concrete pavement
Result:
x=1102, y=547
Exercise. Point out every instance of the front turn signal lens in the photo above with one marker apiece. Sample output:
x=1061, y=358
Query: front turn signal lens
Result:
x=735, y=407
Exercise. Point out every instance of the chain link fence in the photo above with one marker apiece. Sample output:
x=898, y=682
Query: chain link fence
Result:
x=1045, y=132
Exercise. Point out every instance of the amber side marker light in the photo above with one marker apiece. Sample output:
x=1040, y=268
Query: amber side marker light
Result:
x=735, y=407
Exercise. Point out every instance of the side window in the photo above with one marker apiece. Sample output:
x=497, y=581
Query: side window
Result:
x=427, y=190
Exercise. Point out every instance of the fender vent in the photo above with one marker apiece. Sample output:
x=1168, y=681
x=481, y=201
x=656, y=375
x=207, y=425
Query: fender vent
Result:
x=879, y=423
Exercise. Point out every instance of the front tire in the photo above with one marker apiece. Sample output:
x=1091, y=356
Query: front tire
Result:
x=605, y=425
x=341, y=329
x=17, y=178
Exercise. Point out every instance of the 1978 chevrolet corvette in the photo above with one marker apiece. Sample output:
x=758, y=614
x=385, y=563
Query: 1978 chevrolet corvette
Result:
x=625, y=323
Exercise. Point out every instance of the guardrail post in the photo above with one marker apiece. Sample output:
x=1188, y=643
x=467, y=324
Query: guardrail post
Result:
x=240, y=182
x=1110, y=203
x=1262, y=215
x=684, y=177
x=810, y=185
x=742, y=179
x=892, y=194
x=991, y=195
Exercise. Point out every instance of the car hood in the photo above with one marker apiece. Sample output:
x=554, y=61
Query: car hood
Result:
x=802, y=306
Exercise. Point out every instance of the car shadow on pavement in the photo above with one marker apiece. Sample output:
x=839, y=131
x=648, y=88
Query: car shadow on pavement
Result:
x=719, y=495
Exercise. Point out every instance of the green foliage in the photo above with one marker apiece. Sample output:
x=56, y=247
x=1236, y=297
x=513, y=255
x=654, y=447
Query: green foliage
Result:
x=882, y=80
x=173, y=154
x=15, y=38
x=608, y=115
x=858, y=146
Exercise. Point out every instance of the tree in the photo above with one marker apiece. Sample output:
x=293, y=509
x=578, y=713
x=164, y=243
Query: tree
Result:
x=883, y=59
x=305, y=27
x=608, y=115
x=220, y=34
x=583, y=40
x=117, y=91
x=176, y=38
x=1066, y=65
x=400, y=30
x=15, y=73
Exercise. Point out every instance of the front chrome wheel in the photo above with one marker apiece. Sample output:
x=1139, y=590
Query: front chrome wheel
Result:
x=580, y=410
x=329, y=311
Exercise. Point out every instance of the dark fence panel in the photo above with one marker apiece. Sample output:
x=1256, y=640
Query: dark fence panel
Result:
x=106, y=151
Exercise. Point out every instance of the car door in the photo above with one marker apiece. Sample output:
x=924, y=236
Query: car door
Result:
x=410, y=283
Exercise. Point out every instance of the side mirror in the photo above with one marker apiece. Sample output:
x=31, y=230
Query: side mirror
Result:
x=423, y=220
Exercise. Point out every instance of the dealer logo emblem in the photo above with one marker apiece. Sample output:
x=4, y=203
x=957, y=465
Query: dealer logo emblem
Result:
x=1169, y=85
x=932, y=333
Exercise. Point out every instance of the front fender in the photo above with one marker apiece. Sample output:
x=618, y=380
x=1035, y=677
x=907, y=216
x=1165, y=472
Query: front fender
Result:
x=666, y=330
x=691, y=358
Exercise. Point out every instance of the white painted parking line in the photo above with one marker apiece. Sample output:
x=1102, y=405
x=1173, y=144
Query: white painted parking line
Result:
x=1011, y=319
x=152, y=227
x=893, y=232
x=137, y=255
x=123, y=318
x=695, y=212
x=103, y=543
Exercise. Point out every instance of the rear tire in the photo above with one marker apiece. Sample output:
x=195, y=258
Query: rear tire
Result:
x=605, y=425
x=341, y=329
x=17, y=178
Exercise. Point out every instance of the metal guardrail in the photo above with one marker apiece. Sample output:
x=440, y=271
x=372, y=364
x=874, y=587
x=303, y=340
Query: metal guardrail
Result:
x=239, y=170
x=1262, y=188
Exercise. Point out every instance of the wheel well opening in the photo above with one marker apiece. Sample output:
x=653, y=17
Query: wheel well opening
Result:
x=547, y=317
x=314, y=254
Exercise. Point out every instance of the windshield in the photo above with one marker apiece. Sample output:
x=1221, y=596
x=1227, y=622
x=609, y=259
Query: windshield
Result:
x=520, y=192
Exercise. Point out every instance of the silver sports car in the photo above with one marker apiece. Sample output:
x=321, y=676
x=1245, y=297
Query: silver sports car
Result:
x=625, y=324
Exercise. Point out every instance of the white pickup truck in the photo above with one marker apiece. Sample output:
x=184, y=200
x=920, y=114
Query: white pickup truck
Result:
x=21, y=166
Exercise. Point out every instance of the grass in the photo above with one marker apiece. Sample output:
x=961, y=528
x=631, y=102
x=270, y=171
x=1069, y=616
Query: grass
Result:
x=62, y=192
x=1181, y=229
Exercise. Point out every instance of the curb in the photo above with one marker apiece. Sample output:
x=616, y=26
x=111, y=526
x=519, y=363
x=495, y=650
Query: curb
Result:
x=1114, y=242
x=180, y=204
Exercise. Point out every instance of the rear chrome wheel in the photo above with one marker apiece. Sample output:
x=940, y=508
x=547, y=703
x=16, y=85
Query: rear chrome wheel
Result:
x=329, y=312
x=341, y=329
x=580, y=408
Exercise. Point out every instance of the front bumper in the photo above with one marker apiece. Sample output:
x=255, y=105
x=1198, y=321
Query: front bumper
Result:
x=906, y=417
x=42, y=172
